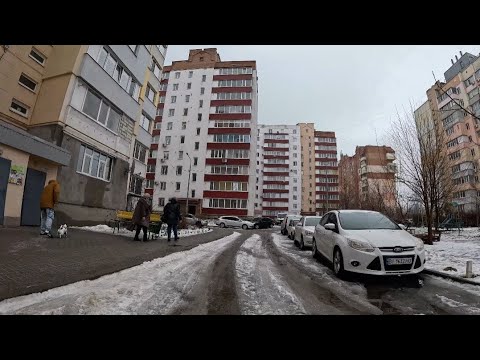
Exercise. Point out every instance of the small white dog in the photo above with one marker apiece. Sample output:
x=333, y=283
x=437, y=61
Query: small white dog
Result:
x=62, y=231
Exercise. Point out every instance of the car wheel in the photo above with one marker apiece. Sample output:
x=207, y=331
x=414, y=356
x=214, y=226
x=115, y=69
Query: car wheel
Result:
x=222, y=225
x=338, y=263
x=244, y=226
x=256, y=226
x=302, y=244
x=314, y=249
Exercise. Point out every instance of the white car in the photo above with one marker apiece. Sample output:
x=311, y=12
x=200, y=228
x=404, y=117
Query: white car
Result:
x=291, y=227
x=286, y=220
x=367, y=242
x=233, y=221
x=304, y=231
x=191, y=219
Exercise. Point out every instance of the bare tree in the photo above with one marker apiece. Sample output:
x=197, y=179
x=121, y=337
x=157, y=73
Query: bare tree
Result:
x=349, y=185
x=426, y=169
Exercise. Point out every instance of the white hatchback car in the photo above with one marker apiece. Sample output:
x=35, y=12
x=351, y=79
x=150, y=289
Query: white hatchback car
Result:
x=304, y=231
x=367, y=242
x=233, y=221
x=291, y=227
x=286, y=221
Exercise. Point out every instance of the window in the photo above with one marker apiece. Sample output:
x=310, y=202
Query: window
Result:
x=450, y=130
x=25, y=81
x=169, y=125
x=201, y=58
x=234, y=83
x=164, y=170
x=180, y=155
x=136, y=183
x=197, y=145
x=199, y=117
x=37, y=56
x=166, y=155
x=189, y=86
x=228, y=204
x=185, y=111
x=145, y=122
x=175, y=87
x=294, y=197
x=174, y=99
x=467, y=125
x=294, y=163
x=150, y=93
x=469, y=81
x=230, y=138
x=184, y=125
x=153, y=154
x=201, y=103
x=165, y=75
x=149, y=184
x=190, y=74
x=171, y=112
x=194, y=176
x=177, y=186
x=160, y=111
x=198, y=131
x=193, y=193
x=100, y=111
x=235, y=71
x=177, y=75
x=234, y=123
x=187, y=98
x=234, y=96
x=161, y=100
x=179, y=170
x=202, y=91
x=294, y=155
x=182, y=139
x=19, y=108
x=204, y=78
x=294, y=189
x=94, y=163
x=161, y=201
x=168, y=139
x=163, y=185
x=195, y=161
x=151, y=168
x=232, y=109
x=139, y=151
x=155, y=139
x=472, y=151
x=156, y=69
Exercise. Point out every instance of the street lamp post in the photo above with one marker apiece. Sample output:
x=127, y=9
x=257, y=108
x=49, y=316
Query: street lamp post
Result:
x=188, y=184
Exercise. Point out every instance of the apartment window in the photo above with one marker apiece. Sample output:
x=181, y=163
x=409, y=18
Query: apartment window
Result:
x=177, y=186
x=294, y=155
x=187, y=98
x=139, y=151
x=166, y=155
x=174, y=99
x=151, y=168
x=161, y=100
x=184, y=125
x=158, y=125
x=149, y=184
x=177, y=75
x=37, y=56
x=193, y=193
x=25, y=81
x=201, y=103
x=234, y=83
x=294, y=189
x=175, y=87
x=169, y=125
x=98, y=109
x=145, y=122
x=199, y=117
x=194, y=176
x=189, y=86
x=198, y=131
x=450, y=130
x=185, y=111
x=472, y=151
x=233, y=109
x=19, y=108
x=182, y=139
x=195, y=161
x=164, y=170
x=150, y=93
x=294, y=197
x=171, y=112
x=163, y=185
x=470, y=138
x=202, y=91
x=180, y=155
x=230, y=138
x=204, y=78
x=469, y=81
x=94, y=163
x=467, y=125
x=136, y=183
x=179, y=170
x=155, y=139
x=294, y=180
x=157, y=71
x=161, y=201
x=153, y=154
x=197, y=145
x=294, y=163
x=190, y=74
x=168, y=139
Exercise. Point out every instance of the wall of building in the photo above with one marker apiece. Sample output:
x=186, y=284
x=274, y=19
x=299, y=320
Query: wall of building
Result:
x=307, y=132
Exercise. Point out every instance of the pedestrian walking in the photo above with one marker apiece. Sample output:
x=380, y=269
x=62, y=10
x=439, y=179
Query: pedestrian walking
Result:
x=171, y=215
x=48, y=200
x=141, y=216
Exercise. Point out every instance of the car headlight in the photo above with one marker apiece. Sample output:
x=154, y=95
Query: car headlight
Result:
x=360, y=245
x=308, y=233
x=420, y=246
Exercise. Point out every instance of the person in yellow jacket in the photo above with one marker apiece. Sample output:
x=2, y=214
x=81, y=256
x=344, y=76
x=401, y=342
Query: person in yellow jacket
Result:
x=48, y=200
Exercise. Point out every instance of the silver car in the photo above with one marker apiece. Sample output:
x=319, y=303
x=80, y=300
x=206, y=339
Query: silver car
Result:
x=191, y=220
x=233, y=221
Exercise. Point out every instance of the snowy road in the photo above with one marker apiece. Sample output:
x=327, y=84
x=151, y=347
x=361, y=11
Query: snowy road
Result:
x=248, y=272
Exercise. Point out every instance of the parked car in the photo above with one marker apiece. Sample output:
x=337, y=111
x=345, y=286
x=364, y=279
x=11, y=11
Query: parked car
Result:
x=280, y=218
x=283, y=225
x=191, y=220
x=233, y=221
x=291, y=227
x=367, y=242
x=304, y=231
x=263, y=223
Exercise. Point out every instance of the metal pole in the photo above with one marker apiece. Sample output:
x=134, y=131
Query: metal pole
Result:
x=188, y=184
x=469, y=272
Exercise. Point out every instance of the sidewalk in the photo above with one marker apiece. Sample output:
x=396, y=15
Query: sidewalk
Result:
x=32, y=263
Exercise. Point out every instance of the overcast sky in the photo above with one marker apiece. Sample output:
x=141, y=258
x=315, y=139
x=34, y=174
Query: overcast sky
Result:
x=352, y=90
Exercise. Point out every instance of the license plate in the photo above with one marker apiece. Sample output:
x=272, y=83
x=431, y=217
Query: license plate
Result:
x=399, y=261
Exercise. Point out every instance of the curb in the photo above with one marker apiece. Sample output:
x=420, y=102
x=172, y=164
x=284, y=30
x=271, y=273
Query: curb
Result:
x=448, y=276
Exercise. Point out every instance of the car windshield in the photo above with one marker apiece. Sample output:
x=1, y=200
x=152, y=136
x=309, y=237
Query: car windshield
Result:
x=295, y=222
x=313, y=221
x=366, y=221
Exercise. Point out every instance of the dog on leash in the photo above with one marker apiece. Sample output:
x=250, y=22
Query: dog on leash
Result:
x=62, y=231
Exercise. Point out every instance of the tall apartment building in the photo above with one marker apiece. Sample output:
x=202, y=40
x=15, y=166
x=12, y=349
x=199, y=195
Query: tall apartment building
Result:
x=461, y=130
x=278, y=170
x=367, y=179
x=95, y=102
x=205, y=135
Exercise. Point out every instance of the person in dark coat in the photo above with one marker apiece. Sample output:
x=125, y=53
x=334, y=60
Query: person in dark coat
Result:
x=171, y=215
x=141, y=216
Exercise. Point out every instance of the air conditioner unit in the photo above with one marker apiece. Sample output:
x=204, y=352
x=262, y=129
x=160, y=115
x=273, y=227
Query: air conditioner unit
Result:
x=164, y=145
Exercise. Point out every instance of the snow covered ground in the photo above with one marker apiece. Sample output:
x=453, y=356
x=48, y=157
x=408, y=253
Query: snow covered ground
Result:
x=453, y=250
x=124, y=232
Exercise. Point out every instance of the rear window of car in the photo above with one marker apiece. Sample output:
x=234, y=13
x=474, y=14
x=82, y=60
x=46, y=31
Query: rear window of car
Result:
x=312, y=221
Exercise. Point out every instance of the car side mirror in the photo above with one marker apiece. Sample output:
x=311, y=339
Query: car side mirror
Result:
x=330, y=226
x=403, y=227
